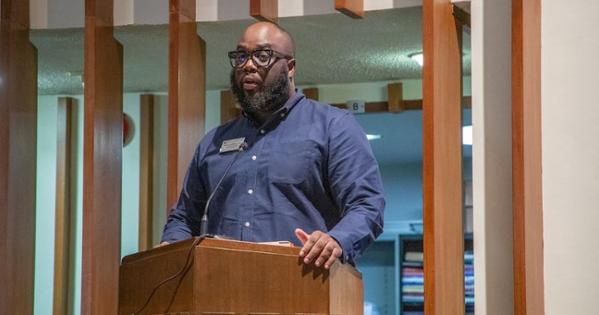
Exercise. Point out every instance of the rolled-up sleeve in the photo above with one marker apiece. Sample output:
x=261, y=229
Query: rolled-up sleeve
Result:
x=356, y=186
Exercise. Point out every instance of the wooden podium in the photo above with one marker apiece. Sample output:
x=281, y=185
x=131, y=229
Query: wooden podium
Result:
x=237, y=278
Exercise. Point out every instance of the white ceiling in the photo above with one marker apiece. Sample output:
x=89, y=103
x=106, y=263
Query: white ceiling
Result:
x=331, y=48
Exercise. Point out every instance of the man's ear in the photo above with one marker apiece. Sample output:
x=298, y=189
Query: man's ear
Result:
x=291, y=69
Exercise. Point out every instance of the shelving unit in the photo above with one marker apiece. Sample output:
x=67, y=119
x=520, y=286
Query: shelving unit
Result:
x=411, y=298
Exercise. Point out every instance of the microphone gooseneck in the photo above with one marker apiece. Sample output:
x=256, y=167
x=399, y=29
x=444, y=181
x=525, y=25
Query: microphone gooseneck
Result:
x=204, y=220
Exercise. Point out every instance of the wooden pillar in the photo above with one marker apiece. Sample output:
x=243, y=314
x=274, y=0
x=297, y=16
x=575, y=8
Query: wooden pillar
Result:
x=443, y=232
x=526, y=158
x=186, y=93
x=351, y=8
x=146, y=177
x=265, y=10
x=66, y=170
x=228, y=107
x=102, y=158
x=18, y=128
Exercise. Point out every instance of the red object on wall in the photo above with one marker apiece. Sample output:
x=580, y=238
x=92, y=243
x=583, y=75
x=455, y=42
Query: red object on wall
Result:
x=128, y=129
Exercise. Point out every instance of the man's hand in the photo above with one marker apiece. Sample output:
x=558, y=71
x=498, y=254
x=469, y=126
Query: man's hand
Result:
x=161, y=244
x=318, y=247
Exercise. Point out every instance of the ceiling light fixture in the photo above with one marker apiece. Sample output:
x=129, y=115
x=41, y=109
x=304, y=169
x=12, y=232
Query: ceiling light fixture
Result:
x=467, y=135
x=373, y=137
x=418, y=57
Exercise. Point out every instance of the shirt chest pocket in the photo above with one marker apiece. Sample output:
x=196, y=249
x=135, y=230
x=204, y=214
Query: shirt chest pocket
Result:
x=293, y=162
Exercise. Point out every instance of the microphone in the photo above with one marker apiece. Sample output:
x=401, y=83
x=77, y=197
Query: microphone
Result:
x=204, y=221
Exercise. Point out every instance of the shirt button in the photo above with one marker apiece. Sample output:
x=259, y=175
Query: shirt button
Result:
x=247, y=224
x=250, y=191
x=254, y=157
x=262, y=131
x=282, y=115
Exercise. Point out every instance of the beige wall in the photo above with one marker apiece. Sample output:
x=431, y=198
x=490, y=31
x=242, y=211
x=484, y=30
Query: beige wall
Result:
x=570, y=114
x=491, y=156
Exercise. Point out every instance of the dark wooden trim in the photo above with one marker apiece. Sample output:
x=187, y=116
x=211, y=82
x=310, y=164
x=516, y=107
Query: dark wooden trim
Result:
x=228, y=107
x=442, y=162
x=65, y=193
x=18, y=136
x=351, y=8
x=102, y=161
x=461, y=16
x=526, y=157
x=265, y=10
x=381, y=107
x=187, y=93
x=311, y=93
x=146, y=171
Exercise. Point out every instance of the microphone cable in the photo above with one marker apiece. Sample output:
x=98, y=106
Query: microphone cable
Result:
x=204, y=220
x=188, y=263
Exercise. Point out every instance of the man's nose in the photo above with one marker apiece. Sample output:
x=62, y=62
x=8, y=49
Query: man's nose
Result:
x=249, y=65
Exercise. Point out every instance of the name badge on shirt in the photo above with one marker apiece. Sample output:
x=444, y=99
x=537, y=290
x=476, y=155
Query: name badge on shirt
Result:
x=232, y=145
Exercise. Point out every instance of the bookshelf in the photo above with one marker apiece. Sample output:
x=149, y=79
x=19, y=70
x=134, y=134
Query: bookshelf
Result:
x=411, y=298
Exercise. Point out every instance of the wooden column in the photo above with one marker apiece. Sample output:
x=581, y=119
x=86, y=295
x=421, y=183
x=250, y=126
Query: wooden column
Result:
x=351, y=8
x=186, y=93
x=66, y=170
x=443, y=232
x=526, y=157
x=18, y=128
x=228, y=107
x=146, y=177
x=265, y=10
x=102, y=158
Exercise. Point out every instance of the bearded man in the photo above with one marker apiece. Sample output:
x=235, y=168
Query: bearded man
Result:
x=289, y=168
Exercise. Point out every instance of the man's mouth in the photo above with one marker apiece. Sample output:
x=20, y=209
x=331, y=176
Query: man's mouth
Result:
x=249, y=84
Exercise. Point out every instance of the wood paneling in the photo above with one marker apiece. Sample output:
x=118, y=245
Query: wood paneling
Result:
x=228, y=107
x=186, y=93
x=146, y=171
x=18, y=128
x=65, y=202
x=232, y=277
x=442, y=162
x=351, y=8
x=265, y=10
x=526, y=157
x=102, y=158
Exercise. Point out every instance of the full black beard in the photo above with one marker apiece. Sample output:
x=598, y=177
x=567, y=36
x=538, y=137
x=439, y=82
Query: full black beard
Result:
x=268, y=100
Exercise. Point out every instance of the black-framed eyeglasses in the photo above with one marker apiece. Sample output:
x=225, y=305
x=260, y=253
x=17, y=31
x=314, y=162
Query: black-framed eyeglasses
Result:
x=260, y=57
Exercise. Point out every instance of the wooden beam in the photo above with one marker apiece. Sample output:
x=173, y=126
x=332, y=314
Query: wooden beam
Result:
x=442, y=162
x=187, y=93
x=526, y=158
x=102, y=158
x=18, y=133
x=265, y=10
x=228, y=106
x=66, y=173
x=351, y=8
x=311, y=93
x=395, y=103
x=146, y=171
x=383, y=107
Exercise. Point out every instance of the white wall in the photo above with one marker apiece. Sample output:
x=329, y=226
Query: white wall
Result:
x=570, y=127
x=491, y=156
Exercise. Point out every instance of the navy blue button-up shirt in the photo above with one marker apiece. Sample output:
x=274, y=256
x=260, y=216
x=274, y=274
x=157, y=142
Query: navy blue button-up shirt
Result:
x=309, y=166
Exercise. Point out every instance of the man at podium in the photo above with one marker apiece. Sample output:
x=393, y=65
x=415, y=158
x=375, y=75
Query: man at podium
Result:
x=289, y=168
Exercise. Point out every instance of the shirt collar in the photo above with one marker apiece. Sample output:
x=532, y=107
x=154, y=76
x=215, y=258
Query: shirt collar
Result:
x=279, y=114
